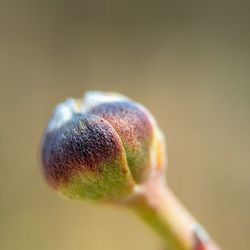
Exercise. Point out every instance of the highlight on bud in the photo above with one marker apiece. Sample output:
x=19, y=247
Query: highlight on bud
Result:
x=101, y=147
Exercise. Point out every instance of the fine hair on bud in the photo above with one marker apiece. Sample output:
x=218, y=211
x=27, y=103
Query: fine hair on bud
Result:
x=100, y=148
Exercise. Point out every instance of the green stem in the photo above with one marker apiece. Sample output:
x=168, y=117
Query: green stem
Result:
x=158, y=207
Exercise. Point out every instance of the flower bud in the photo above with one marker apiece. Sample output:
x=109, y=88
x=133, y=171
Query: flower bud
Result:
x=101, y=148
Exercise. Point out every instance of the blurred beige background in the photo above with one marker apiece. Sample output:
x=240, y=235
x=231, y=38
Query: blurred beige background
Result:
x=187, y=61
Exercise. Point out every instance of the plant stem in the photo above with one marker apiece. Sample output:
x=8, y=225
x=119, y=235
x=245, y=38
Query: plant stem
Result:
x=157, y=205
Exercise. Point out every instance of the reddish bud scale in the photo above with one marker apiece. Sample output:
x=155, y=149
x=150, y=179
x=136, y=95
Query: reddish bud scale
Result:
x=135, y=130
x=81, y=144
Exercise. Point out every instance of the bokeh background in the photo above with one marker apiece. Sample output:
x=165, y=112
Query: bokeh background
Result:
x=187, y=61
